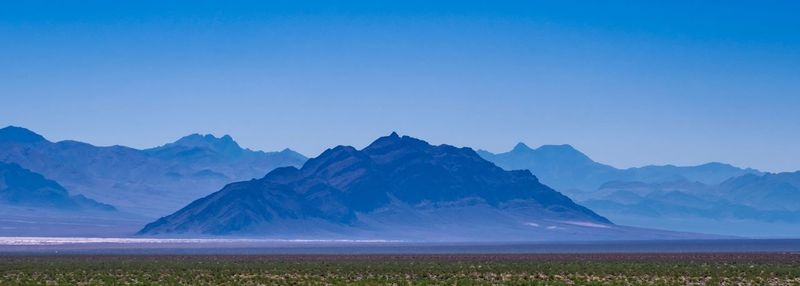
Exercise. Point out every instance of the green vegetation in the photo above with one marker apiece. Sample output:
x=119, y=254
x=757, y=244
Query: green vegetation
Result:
x=546, y=269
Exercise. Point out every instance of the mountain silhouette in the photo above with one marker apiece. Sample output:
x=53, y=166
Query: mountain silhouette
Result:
x=151, y=182
x=570, y=171
x=19, y=135
x=21, y=187
x=560, y=166
x=393, y=181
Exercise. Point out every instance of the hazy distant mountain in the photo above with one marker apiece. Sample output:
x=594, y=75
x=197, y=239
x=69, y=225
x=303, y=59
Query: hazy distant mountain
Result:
x=779, y=191
x=712, y=198
x=32, y=205
x=568, y=170
x=684, y=199
x=151, y=182
x=709, y=173
x=749, y=205
x=222, y=157
x=395, y=183
x=560, y=166
x=21, y=187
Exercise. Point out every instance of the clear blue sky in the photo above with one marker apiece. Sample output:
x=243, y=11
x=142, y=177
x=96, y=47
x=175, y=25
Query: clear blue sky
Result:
x=628, y=83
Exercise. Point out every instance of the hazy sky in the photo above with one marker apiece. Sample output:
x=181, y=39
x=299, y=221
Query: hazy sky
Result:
x=629, y=84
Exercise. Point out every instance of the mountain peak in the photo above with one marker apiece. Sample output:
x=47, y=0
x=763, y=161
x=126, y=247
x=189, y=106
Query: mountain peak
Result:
x=559, y=150
x=563, y=152
x=564, y=148
x=290, y=151
x=201, y=143
x=394, y=141
x=717, y=165
x=521, y=147
x=334, y=153
x=207, y=141
x=19, y=134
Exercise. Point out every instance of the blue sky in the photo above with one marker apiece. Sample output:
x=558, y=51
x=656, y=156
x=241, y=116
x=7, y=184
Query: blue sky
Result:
x=628, y=83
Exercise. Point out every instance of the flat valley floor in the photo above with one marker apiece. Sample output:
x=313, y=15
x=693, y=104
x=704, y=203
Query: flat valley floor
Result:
x=405, y=269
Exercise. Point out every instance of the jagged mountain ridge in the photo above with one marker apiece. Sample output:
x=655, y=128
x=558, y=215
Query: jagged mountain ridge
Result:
x=345, y=188
x=151, y=182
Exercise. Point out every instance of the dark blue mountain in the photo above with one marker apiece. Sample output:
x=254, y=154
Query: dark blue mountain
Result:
x=151, y=182
x=396, y=183
x=19, y=135
x=21, y=187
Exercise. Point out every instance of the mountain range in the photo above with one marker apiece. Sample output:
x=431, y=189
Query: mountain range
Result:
x=151, y=182
x=397, y=187
x=567, y=169
x=713, y=197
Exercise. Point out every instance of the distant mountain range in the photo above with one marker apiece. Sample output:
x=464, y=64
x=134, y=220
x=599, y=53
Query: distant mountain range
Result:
x=713, y=197
x=151, y=182
x=569, y=170
x=779, y=191
x=683, y=198
x=397, y=187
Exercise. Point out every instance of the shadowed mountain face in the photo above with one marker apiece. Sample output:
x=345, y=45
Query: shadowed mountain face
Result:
x=150, y=182
x=21, y=187
x=569, y=170
x=396, y=182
